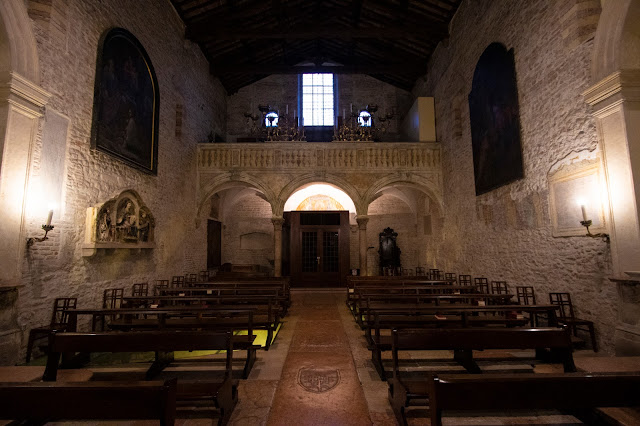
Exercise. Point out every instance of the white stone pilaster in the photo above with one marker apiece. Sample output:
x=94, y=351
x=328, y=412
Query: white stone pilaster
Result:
x=21, y=104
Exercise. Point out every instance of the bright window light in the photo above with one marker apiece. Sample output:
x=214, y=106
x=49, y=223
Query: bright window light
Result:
x=271, y=119
x=317, y=100
x=364, y=119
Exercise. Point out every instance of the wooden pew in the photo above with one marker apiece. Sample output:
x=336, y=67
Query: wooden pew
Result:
x=579, y=393
x=266, y=313
x=282, y=282
x=404, y=393
x=456, y=316
x=399, y=301
x=220, y=396
x=355, y=282
x=230, y=296
x=405, y=288
x=163, y=342
x=38, y=403
x=209, y=319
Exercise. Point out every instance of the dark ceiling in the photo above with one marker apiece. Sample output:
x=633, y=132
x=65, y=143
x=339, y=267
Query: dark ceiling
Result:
x=247, y=40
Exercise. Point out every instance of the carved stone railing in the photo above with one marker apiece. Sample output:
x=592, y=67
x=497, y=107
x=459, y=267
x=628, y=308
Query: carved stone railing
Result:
x=347, y=156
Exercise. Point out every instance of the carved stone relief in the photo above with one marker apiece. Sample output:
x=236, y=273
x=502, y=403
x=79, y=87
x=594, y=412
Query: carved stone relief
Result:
x=121, y=222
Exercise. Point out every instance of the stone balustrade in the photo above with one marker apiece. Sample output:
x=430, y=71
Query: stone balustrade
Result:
x=347, y=156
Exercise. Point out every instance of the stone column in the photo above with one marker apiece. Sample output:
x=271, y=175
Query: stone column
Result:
x=21, y=103
x=362, y=226
x=277, y=245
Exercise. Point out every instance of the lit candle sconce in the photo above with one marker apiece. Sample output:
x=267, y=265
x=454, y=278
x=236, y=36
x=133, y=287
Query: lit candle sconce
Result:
x=586, y=222
x=46, y=227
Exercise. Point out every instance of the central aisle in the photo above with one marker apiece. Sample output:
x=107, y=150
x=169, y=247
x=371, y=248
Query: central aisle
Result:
x=319, y=384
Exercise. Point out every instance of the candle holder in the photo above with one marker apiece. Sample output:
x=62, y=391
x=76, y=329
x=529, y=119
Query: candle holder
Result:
x=587, y=224
x=32, y=240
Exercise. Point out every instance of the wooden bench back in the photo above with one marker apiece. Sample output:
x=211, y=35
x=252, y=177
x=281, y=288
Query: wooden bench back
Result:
x=138, y=341
x=481, y=338
x=142, y=341
x=57, y=401
x=531, y=391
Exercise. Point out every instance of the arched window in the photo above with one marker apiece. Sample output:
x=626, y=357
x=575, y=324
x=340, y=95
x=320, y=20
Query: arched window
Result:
x=271, y=119
x=364, y=119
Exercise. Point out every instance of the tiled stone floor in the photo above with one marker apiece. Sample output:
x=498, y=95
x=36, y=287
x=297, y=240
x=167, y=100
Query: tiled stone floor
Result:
x=320, y=332
x=319, y=372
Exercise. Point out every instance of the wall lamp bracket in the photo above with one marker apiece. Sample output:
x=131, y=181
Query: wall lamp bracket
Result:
x=587, y=224
x=32, y=240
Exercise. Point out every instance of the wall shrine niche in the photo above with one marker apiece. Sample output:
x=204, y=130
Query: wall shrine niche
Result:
x=121, y=222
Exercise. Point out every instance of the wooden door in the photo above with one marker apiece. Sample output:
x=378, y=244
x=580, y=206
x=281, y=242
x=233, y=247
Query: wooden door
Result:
x=214, y=244
x=319, y=248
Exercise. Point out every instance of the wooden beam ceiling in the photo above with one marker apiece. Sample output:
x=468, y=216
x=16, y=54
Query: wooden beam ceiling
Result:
x=246, y=40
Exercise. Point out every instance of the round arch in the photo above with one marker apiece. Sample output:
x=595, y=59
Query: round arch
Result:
x=303, y=180
x=19, y=53
x=410, y=181
x=617, y=36
x=229, y=181
x=314, y=189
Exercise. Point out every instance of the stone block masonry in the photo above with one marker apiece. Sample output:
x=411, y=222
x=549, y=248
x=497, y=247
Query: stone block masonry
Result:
x=192, y=105
x=506, y=234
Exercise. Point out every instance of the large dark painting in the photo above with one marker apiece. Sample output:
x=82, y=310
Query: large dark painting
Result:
x=125, y=114
x=495, y=120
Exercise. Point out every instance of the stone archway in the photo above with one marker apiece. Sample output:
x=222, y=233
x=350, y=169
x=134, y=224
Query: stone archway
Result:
x=283, y=167
x=615, y=98
x=223, y=210
x=21, y=103
x=418, y=223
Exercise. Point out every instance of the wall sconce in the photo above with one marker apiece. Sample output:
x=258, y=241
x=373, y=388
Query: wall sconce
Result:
x=587, y=223
x=47, y=227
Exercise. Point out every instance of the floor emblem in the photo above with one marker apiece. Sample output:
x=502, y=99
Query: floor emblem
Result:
x=318, y=380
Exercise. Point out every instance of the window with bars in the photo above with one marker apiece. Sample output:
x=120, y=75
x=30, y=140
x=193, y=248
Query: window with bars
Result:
x=317, y=100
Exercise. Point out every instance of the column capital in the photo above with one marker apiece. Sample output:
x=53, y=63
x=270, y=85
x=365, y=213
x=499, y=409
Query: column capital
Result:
x=23, y=94
x=619, y=87
x=277, y=223
x=362, y=221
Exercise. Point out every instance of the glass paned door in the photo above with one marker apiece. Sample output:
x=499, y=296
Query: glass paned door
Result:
x=320, y=255
x=319, y=248
x=330, y=252
x=310, y=257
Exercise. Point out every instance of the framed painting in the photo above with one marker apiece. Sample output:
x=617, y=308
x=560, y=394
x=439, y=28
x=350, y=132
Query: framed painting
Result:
x=126, y=102
x=495, y=120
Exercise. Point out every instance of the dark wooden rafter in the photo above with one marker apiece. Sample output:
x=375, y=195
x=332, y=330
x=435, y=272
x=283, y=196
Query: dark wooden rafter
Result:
x=247, y=40
x=396, y=68
x=281, y=15
x=314, y=31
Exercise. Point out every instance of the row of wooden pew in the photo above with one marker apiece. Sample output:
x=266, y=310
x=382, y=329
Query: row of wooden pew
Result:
x=401, y=314
x=206, y=315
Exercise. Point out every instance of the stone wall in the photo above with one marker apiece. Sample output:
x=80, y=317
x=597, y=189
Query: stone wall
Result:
x=391, y=212
x=506, y=233
x=278, y=91
x=247, y=234
x=192, y=104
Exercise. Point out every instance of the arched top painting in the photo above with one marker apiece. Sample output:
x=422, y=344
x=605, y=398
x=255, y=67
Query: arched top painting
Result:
x=126, y=102
x=495, y=120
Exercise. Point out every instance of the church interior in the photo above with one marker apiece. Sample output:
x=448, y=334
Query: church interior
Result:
x=344, y=212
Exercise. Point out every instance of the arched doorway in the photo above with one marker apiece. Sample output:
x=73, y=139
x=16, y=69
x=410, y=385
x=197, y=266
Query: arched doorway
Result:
x=410, y=211
x=316, y=235
x=239, y=229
